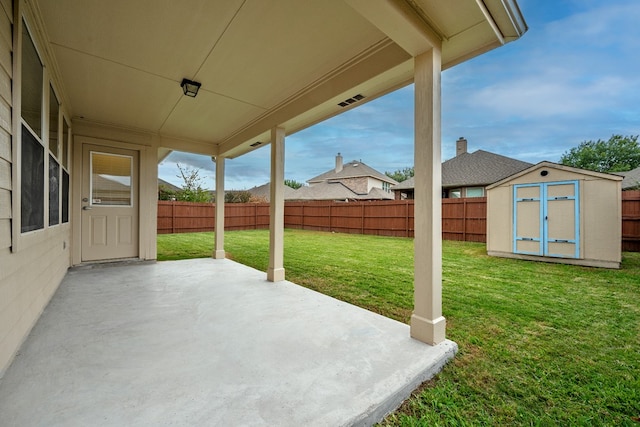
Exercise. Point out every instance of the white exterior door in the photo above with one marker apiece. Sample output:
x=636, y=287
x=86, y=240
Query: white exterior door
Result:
x=109, y=203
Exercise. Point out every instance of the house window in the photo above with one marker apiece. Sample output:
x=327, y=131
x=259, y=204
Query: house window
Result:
x=32, y=150
x=65, y=196
x=32, y=77
x=44, y=151
x=54, y=153
x=54, y=191
x=474, y=192
x=32, y=183
x=386, y=186
x=65, y=171
x=455, y=193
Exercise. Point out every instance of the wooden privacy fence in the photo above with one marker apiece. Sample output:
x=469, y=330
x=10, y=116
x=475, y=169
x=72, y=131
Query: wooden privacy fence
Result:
x=462, y=219
x=631, y=221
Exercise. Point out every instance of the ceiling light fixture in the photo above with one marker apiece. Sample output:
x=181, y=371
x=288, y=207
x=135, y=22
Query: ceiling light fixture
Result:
x=190, y=88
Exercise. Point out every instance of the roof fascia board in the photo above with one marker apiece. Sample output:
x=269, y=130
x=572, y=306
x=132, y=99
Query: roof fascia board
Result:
x=546, y=164
x=507, y=17
x=400, y=22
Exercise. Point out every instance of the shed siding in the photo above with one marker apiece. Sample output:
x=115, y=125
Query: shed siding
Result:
x=598, y=216
x=30, y=276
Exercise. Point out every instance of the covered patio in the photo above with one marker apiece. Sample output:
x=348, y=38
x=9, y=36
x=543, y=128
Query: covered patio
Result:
x=208, y=342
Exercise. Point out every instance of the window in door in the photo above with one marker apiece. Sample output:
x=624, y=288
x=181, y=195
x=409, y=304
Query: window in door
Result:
x=111, y=179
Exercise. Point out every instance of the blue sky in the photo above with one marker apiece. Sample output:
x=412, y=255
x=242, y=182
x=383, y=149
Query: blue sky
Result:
x=574, y=76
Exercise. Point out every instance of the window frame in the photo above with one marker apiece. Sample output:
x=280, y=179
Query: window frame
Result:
x=20, y=240
x=482, y=190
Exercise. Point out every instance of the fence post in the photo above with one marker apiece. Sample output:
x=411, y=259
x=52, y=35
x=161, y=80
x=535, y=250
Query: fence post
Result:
x=362, y=219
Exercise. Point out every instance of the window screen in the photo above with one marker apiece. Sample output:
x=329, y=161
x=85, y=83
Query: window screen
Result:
x=32, y=183
x=65, y=196
x=54, y=191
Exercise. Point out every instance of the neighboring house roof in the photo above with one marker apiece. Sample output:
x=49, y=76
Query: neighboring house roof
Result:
x=631, y=179
x=168, y=185
x=476, y=169
x=336, y=191
x=264, y=191
x=479, y=168
x=353, y=169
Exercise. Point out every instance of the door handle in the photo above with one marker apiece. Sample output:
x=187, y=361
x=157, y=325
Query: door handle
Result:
x=86, y=208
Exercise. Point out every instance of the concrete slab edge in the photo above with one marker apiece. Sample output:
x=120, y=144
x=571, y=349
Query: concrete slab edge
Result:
x=377, y=413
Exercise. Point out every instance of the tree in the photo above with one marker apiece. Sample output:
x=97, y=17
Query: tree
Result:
x=237, y=197
x=165, y=193
x=618, y=154
x=293, y=183
x=192, y=190
x=401, y=174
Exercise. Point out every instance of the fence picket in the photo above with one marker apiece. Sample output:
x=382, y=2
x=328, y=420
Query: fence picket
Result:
x=462, y=219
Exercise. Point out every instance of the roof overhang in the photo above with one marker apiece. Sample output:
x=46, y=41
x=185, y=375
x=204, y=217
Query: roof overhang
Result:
x=551, y=165
x=261, y=64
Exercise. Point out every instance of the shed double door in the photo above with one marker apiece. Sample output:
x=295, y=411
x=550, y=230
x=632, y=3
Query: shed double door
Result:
x=546, y=219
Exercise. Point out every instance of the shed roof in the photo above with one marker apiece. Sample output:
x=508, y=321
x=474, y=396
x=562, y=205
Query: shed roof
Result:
x=552, y=165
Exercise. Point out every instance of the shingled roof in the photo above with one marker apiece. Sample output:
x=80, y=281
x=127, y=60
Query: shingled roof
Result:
x=328, y=190
x=353, y=169
x=476, y=169
x=264, y=191
x=631, y=179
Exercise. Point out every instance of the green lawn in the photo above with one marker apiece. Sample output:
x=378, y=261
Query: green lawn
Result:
x=539, y=344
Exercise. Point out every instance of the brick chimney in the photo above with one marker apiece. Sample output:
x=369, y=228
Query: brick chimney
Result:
x=461, y=146
x=338, y=163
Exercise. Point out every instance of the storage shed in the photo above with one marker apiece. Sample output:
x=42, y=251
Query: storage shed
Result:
x=556, y=213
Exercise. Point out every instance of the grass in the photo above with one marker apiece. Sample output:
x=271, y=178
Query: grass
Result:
x=539, y=344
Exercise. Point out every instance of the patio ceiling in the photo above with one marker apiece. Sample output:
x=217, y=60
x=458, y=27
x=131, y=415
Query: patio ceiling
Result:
x=261, y=63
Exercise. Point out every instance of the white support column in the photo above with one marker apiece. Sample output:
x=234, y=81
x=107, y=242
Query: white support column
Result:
x=275, y=273
x=427, y=323
x=218, y=250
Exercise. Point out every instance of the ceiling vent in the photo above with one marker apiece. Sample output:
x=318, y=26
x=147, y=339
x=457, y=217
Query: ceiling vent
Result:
x=255, y=144
x=351, y=100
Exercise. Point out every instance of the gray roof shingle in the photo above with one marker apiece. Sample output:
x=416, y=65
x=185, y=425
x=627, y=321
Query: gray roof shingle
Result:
x=335, y=190
x=353, y=169
x=631, y=179
x=479, y=168
x=264, y=191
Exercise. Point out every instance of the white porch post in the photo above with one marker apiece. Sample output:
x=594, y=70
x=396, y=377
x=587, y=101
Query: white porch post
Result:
x=218, y=250
x=275, y=273
x=427, y=323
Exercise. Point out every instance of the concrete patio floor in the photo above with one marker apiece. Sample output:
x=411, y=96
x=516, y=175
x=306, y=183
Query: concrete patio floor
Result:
x=209, y=343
